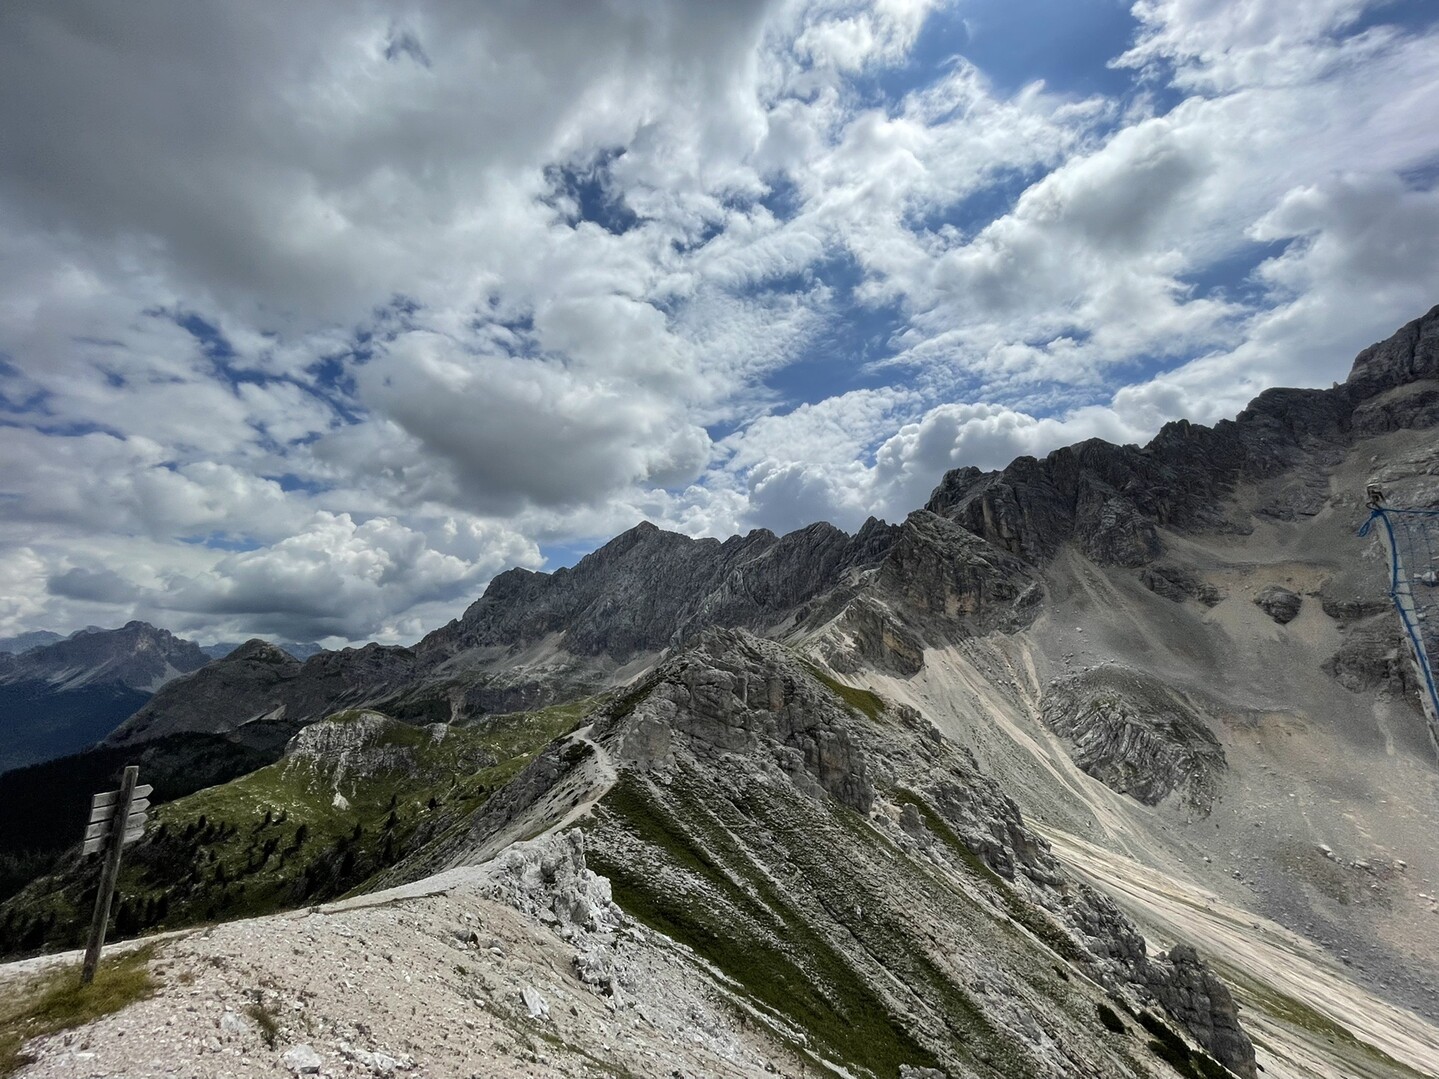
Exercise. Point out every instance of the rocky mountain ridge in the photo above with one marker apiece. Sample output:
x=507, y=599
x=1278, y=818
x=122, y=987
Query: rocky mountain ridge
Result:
x=851, y=867
x=137, y=656
x=1110, y=501
x=534, y=637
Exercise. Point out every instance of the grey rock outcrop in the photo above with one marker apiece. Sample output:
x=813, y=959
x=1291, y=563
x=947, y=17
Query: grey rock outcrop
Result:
x=1279, y=603
x=956, y=581
x=1110, y=501
x=1374, y=656
x=549, y=879
x=1178, y=584
x=1136, y=736
x=1190, y=991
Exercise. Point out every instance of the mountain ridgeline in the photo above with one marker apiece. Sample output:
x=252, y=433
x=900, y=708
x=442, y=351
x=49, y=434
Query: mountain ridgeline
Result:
x=915, y=796
x=64, y=695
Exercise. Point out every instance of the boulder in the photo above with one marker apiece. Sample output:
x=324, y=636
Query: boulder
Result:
x=1279, y=603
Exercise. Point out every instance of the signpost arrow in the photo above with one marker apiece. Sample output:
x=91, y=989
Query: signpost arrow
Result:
x=106, y=812
x=100, y=801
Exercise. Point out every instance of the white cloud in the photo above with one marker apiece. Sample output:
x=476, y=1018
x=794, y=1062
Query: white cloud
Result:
x=425, y=364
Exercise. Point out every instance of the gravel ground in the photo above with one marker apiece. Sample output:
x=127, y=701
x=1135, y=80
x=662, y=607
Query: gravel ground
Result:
x=415, y=985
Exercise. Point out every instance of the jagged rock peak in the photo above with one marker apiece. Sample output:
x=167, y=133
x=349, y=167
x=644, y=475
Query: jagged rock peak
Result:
x=1110, y=501
x=648, y=589
x=1410, y=355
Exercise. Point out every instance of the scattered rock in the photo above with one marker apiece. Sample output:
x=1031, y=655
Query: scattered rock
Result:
x=301, y=1059
x=538, y=1007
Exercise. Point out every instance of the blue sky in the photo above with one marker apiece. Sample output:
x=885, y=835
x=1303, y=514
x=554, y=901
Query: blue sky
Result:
x=313, y=320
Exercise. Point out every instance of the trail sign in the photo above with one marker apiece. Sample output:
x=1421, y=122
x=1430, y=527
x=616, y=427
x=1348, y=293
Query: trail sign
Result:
x=116, y=818
x=102, y=816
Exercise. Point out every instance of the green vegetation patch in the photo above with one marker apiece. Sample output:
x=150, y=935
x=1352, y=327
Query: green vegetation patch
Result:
x=56, y=1001
x=720, y=905
x=278, y=837
x=866, y=703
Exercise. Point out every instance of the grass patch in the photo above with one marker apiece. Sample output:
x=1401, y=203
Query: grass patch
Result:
x=859, y=700
x=56, y=1001
x=266, y=1020
x=722, y=906
x=676, y=862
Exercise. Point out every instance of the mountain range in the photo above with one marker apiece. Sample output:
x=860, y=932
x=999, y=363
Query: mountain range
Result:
x=59, y=695
x=1106, y=763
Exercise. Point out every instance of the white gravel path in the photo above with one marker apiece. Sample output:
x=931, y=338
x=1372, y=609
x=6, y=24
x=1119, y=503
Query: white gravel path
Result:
x=430, y=985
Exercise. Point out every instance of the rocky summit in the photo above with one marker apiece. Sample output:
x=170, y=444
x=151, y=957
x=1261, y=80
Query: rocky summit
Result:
x=1111, y=763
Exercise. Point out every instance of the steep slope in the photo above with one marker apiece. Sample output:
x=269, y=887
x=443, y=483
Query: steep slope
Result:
x=1319, y=792
x=61, y=697
x=877, y=899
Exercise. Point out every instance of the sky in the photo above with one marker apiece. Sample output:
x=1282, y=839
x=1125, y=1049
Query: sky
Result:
x=314, y=317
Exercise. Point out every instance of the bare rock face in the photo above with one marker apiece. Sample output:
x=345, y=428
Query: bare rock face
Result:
x=1109, y=500
x=648, y=589
x=868, y=633
x=1137, y=736
x=1374, y=656
x=1410, y=356
x=1178, y=584
x=955, y=581
x=220, y=697
x=1279, y=603
x=1192, y=993
x=259, y=682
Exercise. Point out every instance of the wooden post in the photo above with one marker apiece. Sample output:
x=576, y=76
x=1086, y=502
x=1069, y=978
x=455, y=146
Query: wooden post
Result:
x=109, y=874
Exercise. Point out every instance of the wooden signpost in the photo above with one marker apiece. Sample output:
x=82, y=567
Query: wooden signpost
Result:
x=116, y=818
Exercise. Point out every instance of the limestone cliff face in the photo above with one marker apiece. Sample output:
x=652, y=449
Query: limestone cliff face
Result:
x=648, y=589
x=1137, y=736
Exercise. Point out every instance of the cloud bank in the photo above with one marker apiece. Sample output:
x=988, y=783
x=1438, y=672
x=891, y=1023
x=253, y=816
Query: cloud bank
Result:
x=314, y=318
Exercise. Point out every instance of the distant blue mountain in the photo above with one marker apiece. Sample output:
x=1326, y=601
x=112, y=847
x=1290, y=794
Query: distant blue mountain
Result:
x=62, y=696
x=25, y=641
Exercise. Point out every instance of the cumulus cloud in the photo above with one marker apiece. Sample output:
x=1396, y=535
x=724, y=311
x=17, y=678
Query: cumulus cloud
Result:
x=315, y=317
